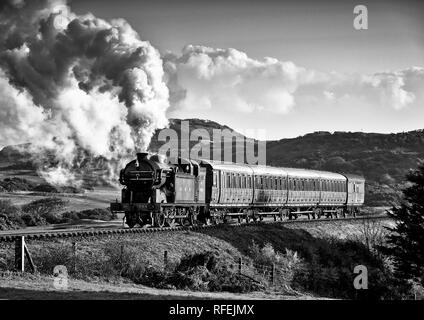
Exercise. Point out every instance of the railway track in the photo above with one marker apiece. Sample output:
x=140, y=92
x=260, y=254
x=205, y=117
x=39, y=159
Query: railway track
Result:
x=12, y=236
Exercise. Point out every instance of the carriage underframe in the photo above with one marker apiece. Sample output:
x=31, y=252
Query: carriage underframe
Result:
x=168, y=215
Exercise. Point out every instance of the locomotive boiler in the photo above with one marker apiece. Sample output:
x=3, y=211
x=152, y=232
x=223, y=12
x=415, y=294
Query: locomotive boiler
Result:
x=161, y=192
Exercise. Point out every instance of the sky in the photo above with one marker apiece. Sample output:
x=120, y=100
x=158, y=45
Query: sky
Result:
x=323, y=75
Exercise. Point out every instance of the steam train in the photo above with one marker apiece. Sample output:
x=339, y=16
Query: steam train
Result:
x=163, y=193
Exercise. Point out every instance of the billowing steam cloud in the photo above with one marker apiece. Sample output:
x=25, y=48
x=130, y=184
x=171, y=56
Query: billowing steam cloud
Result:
x=207, y=78
x=78, y=87
x=70, y=83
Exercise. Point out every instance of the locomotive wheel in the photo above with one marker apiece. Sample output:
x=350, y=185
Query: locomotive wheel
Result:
x=170, y=222
x=191, y=219
x=130, y=223
x=159, y=220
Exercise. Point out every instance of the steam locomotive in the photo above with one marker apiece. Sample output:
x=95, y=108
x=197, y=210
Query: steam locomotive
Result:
x=184, y=191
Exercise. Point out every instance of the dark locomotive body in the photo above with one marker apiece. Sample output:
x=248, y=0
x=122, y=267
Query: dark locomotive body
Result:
x=163, y=193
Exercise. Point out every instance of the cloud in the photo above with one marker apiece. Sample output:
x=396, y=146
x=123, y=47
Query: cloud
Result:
x=227, y=80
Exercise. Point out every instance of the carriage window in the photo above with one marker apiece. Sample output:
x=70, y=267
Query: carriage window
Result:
x=214, y=179
x=228, y=184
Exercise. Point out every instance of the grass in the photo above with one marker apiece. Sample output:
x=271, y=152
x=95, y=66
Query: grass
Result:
x=307, y=261
x=46, y=211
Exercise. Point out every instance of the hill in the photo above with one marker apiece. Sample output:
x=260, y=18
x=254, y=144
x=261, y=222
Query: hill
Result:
x=383, y=159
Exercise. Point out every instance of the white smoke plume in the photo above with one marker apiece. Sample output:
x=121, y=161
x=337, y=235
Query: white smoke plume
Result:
x=81, y=88
x=76, y=86
x=203, y=78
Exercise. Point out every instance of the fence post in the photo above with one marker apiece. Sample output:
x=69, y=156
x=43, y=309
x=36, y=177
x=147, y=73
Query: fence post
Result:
x=74, y=251
x=121, y=255
x=20, y=254
x=165, y=259
x=239, y=265
x=273, y=274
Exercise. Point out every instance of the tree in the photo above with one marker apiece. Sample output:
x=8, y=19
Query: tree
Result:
x=405, y=242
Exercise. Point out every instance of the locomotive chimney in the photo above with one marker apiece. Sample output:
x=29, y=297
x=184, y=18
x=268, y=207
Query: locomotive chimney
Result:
x=141, y=156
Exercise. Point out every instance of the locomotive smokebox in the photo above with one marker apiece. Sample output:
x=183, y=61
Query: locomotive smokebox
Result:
x=141, y=156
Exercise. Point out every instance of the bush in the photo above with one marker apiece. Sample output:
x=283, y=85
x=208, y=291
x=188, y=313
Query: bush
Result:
x=16, y=184
x=70, y=216
x=10, y=216
x=97, y=214
x=32, y=220
x=45, y=187
x=47, y=209
x=206, y=271
x=329, y=272
x=286, y=265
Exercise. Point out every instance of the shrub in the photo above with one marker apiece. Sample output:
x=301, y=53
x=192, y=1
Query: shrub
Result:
x=45, y=187
x=53, y=256
x=70, y=216
x=10, y=216
x=97, y=214
x=46, y=208
x=285, y=265
x=16, y=184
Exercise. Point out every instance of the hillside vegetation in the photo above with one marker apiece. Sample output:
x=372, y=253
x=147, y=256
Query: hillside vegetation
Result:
x=383, y=159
